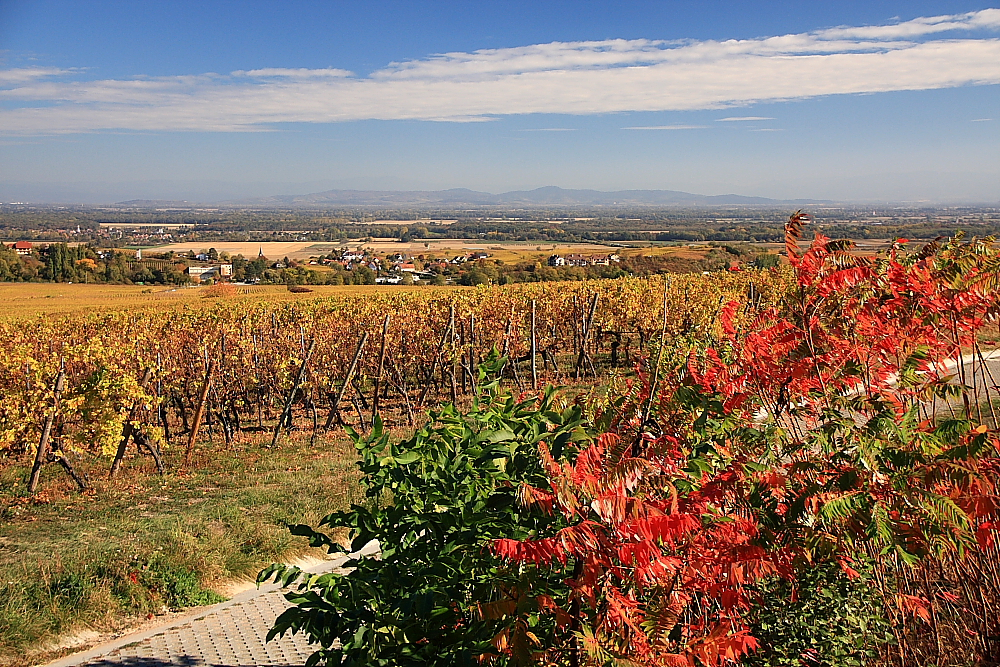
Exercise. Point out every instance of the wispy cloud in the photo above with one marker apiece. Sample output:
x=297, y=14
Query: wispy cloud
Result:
x=981, y=120
x=549, y=129
x=299, y=73
x=559, y=78
x=22, y=75
x=666, y=127
x=734, y=119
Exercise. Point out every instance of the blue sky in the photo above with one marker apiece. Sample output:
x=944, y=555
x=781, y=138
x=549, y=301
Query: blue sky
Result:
x=103, y=101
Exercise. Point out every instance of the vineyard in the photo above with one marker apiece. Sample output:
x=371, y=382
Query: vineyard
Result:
x=88, y=386
x=793, y=466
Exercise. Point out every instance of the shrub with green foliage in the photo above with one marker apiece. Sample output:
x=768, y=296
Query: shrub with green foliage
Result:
x=822, y=618
x=437, y=595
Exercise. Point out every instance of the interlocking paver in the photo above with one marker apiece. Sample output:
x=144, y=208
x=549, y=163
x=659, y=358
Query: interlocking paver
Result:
x=234, y=636
x=230, y=634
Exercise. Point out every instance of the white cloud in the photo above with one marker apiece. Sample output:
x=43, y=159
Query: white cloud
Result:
x=735, y=119
x=987, y=19
x=576, y=78
x=299, y=73
x=667, y=127
x=23, y=75
x=549, y=129
x=981, y=120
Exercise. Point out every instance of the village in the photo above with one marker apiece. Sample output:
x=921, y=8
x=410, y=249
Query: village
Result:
x=84, y=263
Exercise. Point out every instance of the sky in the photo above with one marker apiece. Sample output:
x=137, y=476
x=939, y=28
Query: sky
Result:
x=105, y=101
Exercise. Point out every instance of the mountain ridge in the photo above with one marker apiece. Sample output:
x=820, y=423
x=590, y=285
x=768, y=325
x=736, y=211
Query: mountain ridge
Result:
x=544, y=196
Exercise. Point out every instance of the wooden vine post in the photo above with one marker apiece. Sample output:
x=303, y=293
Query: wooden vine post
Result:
x=454, y=359
x=162, y=400
x=534, y=349
x=129, y=427
x=437, y=356
x=473, y=358
x=381, y=368
x=43, y=443
x=199, y=411
x=637, y=444
x=286, y=411
x=588, y=325
x=335, y=406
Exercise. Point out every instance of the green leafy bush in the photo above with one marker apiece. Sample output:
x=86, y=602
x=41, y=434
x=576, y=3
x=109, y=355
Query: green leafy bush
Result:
x=436, y=595
x=823, y=618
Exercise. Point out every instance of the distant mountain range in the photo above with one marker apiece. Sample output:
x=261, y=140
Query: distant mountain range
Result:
x=547, y=196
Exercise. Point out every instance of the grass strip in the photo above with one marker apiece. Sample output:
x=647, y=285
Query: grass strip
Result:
x=145, y=544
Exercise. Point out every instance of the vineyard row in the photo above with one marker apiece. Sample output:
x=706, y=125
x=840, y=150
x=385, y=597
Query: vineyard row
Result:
x=86, y=387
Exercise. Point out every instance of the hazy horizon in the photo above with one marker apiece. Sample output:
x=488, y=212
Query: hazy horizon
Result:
x=212, y=194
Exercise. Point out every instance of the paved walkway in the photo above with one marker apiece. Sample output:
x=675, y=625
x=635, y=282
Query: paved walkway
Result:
x=229, y=637
x=229, y=634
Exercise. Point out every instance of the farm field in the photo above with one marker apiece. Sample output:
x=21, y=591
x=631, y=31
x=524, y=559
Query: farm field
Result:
x=272, y=250
x=130, y=225
x=507, y=251
x=28, y=300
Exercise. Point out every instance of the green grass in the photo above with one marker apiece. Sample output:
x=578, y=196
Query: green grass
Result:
x=146, y=544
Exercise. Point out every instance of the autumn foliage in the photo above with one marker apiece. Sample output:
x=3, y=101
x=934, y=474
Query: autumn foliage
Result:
x=841, y=428
x=818, y=433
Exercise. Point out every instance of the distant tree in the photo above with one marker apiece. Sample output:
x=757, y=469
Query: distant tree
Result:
x=766, y=261
x=474, y=277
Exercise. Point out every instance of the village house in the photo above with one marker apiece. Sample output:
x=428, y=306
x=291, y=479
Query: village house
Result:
x=200, y=273
x=557, y=260
x=576, y=259
x=605, y=260
x=22, y=248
